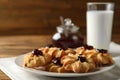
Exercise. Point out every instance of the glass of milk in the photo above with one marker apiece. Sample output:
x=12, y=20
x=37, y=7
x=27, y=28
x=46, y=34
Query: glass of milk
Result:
x=99, y=24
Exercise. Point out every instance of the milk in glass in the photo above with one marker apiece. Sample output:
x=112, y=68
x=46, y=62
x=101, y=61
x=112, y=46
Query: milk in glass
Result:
x=99, y=27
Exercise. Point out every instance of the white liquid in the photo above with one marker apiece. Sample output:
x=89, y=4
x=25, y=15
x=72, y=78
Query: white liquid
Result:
x=99, y=27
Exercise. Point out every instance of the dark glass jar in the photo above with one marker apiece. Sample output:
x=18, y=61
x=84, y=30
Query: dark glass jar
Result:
x=67, y=35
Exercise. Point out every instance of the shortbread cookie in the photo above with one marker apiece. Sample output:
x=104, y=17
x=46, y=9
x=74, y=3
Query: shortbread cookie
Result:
x=53, y=51
x=78, y=64
x=100, y=56
x=55, y=66
x=36, y=58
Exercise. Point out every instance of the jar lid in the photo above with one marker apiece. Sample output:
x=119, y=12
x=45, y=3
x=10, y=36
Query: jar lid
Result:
x=67, y=26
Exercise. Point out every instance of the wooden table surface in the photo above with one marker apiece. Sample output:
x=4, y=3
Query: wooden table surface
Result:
x=16, y=45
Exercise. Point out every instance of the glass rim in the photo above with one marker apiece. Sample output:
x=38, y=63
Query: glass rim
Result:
x=90, y=3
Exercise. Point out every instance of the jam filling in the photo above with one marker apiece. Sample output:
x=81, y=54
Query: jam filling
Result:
x=88, y=47
x=102, y=51
x=82, y=59
x=57, y=61
x=37, y=52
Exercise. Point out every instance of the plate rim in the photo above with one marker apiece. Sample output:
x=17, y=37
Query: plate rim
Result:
x=53, y=74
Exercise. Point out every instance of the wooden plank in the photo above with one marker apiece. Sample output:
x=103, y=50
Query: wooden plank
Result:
x=33, y=15
x=3, y=76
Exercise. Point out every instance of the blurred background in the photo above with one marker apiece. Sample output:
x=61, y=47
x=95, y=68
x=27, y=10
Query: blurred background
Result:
x=40, y=17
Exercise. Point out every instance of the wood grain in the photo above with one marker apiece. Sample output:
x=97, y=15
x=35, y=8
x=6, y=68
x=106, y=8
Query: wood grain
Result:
x=21, y=17
x=11, y=46
x=3, y=76
x=21, y=44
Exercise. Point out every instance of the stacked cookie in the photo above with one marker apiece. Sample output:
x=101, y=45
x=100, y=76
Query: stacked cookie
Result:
x=80, y=60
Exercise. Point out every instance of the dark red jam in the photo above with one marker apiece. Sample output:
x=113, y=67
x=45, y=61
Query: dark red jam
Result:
x=37, y=52
x=70, y=41
x=88, y=47
x=57, y=61
x=67, y=35
x=82, y=59
x=102, y=51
